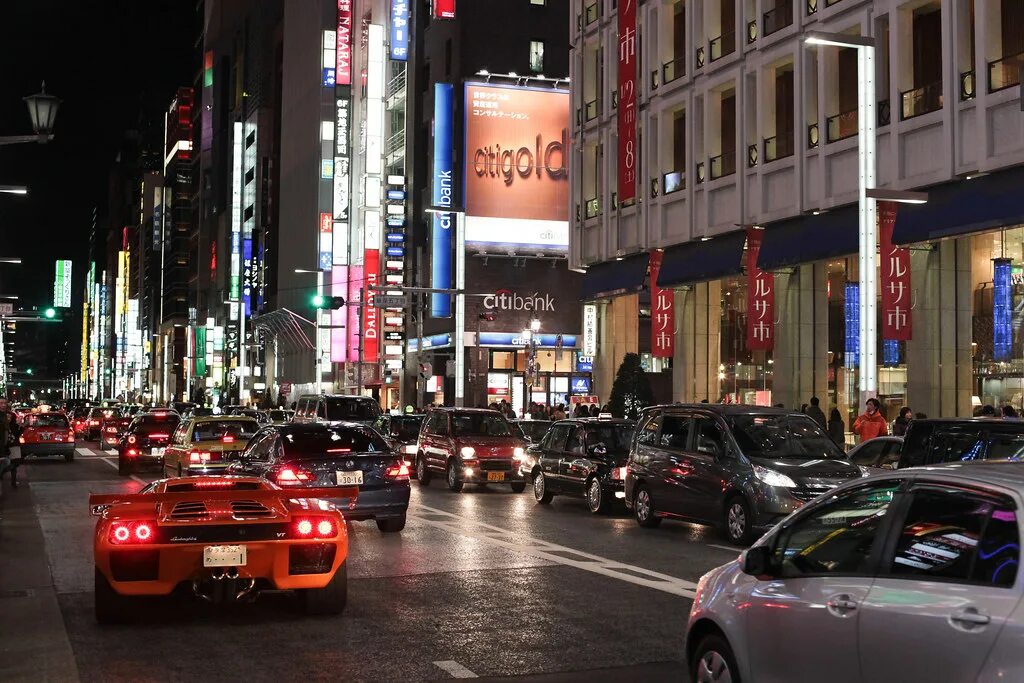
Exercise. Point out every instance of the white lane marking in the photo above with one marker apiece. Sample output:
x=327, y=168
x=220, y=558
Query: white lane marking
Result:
x=558, y=553
x=730, y=548
x=130, y=476
x=455, y=669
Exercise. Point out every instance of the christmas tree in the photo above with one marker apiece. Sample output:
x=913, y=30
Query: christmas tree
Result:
x=631, y=392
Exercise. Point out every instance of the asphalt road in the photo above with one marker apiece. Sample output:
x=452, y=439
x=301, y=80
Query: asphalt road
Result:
x=484, y=583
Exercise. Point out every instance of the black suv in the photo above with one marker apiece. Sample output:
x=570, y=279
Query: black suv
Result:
x=582, y=457
x=738, y=467
x=937, y=441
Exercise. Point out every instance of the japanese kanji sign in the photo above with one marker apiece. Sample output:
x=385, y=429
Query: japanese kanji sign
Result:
x=895, y=272
x=663, y=323
x=627, y=100
x=760, y=298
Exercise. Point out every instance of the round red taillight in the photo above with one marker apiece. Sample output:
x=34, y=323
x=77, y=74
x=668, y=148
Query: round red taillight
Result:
x=325, y=528
x=121, y=534
x=131, y=439
x=143, y=532
x=304, y=527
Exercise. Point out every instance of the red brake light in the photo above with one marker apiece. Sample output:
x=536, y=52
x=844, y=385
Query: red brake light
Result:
x=293, y=476
x=397, y=472
x=304, y=527
x=227, y=438
x=71, y=436
x=339, y=450
x=132, y=439
x=121, y=533
x=316, y=527
x=132, y=451
x=157, y=435
x=21, y=439
x=143, y=532
x=214, y=484
x=94, y=422
x=324, y=528
x=198, y=456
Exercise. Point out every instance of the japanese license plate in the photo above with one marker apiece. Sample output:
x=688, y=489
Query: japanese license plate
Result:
x=46, y=436
x=354, y=478
x=156, y=451
x=495, y=476
x=224, y=556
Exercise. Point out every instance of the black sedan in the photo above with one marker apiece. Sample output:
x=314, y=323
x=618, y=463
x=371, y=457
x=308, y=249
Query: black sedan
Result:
x=145, y=439
x=403, y=430
x=582, y=457
x=320, y=455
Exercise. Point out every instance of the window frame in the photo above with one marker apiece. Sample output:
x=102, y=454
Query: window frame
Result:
x=688, y=419
x=543, y=48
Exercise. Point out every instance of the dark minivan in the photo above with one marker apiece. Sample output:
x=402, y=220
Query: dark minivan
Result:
x=336, y=408
x=741, y=468
x=937, y=441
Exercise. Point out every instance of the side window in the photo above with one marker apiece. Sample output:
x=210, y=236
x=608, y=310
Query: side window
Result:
x=574, y=444
x=648, y=434
x=708, y=438
x=259, y=448
x=836, y=537
x=441, y=423
x=675, y=431
x=868, y=454
x=556, y=440
x=950, y=535
x=321, y=409
x=890, y=455
x=184, y=429
x=1006, y=446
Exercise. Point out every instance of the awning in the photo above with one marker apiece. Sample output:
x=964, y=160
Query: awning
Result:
x=810, y=238
x=703, y=260
x=287, y=327
x=615, y=277
x=963, y=207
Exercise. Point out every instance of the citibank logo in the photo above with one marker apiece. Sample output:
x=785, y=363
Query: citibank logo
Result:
x=507, y=300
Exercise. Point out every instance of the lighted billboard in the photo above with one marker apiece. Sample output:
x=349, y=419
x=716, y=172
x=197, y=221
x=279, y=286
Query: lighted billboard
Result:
x=516, y=167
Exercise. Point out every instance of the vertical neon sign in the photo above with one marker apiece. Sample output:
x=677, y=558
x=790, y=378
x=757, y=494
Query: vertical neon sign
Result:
x=852, y=320
x=1002, y=309
x=442, y=188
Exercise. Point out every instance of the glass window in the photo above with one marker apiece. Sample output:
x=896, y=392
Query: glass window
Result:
x=259, y=448
x=836, y=537
x=649, y=433
x=868, y=454
x=405, y=427
x=480, y=424
x=332, y=443
x=502, y=360
x=575, y=443
x=615, y=437
x=952, y=535
x=536, y=55
x=351, y=409
x=675, y=431
x=534, y=430
x=556, y=437
x=47, y=420
x=213, y=431
x=708, y=437
x=782, y=436
x=1006, y=446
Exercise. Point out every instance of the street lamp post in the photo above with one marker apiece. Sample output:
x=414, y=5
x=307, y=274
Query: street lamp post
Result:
x=42, y=111
x=530, y=336
x=318, y=365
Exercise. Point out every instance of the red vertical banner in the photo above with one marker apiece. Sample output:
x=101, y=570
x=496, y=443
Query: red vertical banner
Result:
x=627, y=100
x=895, y=272
x=760, y=298
x=663, y=319
x=343, y=54
x=371, y=328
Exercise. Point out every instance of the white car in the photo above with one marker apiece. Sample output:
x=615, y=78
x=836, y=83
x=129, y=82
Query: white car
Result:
x=911, y=575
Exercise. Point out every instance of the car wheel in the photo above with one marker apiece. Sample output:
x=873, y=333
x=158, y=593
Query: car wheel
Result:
x=111, y=607
x=69, y=456
x=714, y=662
x=738, y=521
x=422, y=473
x=123, y=468
x=540, y=489
x=453, y=477
x=518, y=487
x=596, y=500
x=392, y=525
x=643, y=509
x=330, y=599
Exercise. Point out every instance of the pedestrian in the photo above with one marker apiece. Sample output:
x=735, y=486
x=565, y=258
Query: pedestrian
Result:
x=814, y=412
x=836, y=427
x=8, y=432
x=870, y=423
x=988, y=411
x=595, y=410
x=1009, y=412
x=559, y=413
x=803, y=408
x=902, y=422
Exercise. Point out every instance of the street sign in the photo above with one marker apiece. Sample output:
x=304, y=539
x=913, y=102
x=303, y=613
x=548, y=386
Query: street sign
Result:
x=390, y=301
x=6, y=309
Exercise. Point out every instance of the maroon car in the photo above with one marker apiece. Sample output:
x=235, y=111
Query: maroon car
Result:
x=144, y=441
x=470, y=446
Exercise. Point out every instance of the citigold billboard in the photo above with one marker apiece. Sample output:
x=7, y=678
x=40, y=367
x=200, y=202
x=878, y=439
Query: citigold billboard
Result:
x=516, y=168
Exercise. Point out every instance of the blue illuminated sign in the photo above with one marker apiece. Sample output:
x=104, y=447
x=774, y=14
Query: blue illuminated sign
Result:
x=328, y=79
x=395, y=252
x=432, y=342
x=1002, y=309
x=442, y=189
x=890, y=352
x=584, y=363
x=248, y=268
x=396, y=195
x=580, y=385
x=548, y=341
x=852, y=321
x=400, y=30
x=395, y=237
x=396, y=222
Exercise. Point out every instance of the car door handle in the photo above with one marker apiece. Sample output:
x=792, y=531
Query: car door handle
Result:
x=841, y=605
x=969, y=618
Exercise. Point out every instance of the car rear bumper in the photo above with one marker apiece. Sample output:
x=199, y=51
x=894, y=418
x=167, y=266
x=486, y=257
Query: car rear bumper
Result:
x=47, y=448
x=159, y=569
x=384, y=503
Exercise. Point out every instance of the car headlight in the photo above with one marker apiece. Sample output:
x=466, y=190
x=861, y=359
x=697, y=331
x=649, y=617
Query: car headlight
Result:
x=468, y=452
x=409, y=448
x=518, y=453
x=773, y=478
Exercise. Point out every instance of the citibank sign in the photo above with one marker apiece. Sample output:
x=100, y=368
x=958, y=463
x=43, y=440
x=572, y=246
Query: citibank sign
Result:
x=507, y=300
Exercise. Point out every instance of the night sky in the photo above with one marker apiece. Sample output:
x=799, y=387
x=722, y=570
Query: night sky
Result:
x=113, y=63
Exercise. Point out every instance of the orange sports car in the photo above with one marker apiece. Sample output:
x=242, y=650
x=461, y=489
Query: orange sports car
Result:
x=224, y=538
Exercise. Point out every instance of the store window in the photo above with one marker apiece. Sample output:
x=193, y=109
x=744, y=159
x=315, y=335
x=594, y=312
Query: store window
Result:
x=503, y=360
x=537, y=55
x=745, y=376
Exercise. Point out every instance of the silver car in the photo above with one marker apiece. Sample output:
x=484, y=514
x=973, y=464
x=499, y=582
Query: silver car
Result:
x=912, y=575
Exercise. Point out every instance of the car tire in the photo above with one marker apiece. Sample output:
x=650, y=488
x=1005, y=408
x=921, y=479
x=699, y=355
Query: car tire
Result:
x=111, y=607
x=69, y=457
x=714, y=661
x=454, y=484
x=518, y=487
x=540, y=489
x=597, y=501
x=123, y=468
x=643, y=509
x=392, y=525
x=737, y=523
x=422, y=471
x=330, y=599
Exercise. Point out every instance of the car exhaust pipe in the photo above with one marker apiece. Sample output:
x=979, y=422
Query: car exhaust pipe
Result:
x=246, y=591
x=218, y=574
x=231, y=573
x=198, y=592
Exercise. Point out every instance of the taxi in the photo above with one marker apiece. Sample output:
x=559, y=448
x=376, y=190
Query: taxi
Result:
x=47, y=434
x=207, y=445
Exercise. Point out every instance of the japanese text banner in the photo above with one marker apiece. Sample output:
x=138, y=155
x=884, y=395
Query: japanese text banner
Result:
x=760, y=298
x=627, y=99
x=895, y=276
x=663, y=322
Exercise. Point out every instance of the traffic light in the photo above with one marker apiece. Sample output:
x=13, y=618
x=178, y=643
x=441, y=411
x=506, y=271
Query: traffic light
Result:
x=328, y=302
x=29, y=371
x=49, y=313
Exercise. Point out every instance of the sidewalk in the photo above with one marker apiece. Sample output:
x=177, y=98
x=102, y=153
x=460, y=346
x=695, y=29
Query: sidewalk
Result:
x=34, y=644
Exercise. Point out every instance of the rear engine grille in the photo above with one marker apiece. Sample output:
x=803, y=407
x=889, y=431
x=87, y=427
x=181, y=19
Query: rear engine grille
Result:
x=495, y=465
x=809, y=493
x=310, y=558
x=189, y=510
x=249, y=508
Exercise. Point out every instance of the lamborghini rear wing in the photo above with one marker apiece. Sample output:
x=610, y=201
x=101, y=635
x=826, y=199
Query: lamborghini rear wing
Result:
x=98, y=502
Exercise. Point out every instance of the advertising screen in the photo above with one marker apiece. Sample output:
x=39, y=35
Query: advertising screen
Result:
x=516, y=167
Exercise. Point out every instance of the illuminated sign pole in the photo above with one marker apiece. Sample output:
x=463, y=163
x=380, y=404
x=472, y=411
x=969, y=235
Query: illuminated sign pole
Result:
x=442, y=187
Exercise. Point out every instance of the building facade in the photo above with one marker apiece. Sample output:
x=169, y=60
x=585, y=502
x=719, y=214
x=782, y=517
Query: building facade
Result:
x=741, y=140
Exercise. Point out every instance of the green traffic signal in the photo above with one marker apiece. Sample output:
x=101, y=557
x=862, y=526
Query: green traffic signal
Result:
x=29, y=371
x=49, y=313
x=319, y=300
